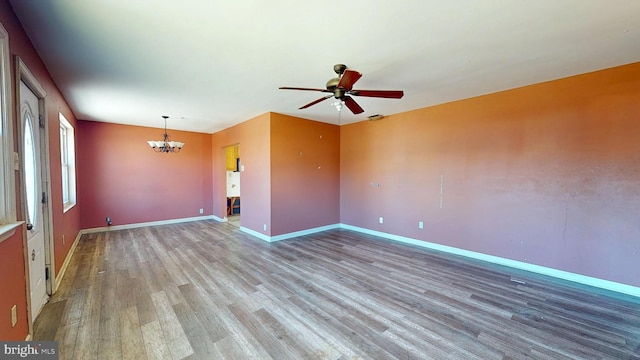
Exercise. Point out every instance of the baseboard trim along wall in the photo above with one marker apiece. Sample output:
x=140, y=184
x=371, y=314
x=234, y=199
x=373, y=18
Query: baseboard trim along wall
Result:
x=559, y=274
x=67, y=261
x=150, y=223
x=260, y=236
x=271, y=239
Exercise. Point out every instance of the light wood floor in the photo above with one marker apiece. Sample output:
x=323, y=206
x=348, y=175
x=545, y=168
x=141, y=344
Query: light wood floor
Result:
x=204, y=290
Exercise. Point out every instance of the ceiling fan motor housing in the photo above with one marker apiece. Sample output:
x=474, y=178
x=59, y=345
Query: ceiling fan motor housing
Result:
x=332, y=84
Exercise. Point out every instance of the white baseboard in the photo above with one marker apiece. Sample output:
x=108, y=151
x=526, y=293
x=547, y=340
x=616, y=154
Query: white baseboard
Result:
x=218, y=219
x=304, y=232
x=559, y=274
x=150, y=223
x=294, y=234
x=260, y=236
x=65, y=264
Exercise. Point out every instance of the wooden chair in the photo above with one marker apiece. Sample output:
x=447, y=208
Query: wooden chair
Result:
x=234, y=203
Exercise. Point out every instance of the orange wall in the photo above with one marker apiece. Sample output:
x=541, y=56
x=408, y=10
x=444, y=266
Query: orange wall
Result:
x=279, y=188
x=305, y=174
x=546, y=174
x=12, y=288
x=255, y=183
x=120, y=176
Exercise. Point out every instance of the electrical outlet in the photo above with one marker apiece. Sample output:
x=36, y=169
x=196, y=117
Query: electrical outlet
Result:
x=264, y=227
x=201, y=211
x=14, y=315
x=420, y=225
x=380, y=220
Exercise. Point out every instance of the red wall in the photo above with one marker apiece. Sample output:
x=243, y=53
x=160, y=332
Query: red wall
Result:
x=305, y=174
x=255, y=182
x=67, y=224
x=120, y=176
x=547, y=174
x=12, y=288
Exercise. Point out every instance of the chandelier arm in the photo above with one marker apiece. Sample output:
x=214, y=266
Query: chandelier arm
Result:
x=165, y=145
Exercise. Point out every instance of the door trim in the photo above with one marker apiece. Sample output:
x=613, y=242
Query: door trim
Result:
x=25, y=75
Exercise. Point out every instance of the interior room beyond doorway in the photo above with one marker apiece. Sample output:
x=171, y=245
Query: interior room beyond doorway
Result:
x=233, y=183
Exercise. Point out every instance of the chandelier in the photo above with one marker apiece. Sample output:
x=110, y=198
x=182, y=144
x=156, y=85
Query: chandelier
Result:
x=164, y=145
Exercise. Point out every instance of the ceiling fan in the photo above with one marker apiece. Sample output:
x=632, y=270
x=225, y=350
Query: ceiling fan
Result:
x=342, y=86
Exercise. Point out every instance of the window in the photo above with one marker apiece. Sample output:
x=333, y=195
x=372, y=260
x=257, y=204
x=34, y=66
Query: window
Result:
x=7, y=193
x=68, y=160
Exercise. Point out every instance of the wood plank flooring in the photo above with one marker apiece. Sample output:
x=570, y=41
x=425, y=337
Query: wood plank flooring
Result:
x=204, y=290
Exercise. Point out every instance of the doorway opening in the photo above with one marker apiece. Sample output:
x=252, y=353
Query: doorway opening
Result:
x=233, y=168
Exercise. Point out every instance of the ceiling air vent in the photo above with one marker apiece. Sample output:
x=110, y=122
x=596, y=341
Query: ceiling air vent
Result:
x=375, y=117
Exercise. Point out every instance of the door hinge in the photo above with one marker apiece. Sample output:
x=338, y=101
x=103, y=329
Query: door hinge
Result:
x=41, y=121
x=44, y=198
x=46, y=273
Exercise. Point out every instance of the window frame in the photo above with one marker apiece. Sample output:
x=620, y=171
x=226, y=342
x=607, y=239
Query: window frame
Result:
x=7, y=181
x=67, y=163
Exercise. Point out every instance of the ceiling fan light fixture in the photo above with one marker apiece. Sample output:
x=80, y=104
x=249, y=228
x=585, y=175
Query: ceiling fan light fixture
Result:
x=338, y=104
x=342, y=89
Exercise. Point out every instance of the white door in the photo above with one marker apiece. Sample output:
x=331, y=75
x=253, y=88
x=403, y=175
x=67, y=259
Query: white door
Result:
x=32, y=167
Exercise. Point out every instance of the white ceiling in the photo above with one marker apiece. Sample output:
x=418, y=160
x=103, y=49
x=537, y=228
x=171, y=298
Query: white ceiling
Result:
x=212, y=64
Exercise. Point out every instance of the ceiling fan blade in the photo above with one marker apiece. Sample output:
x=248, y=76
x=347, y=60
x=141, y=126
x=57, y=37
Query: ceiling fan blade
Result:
x=390, y=94
x=353, y=105
x=316, y=101
x=301, y=88
x=349, y=77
